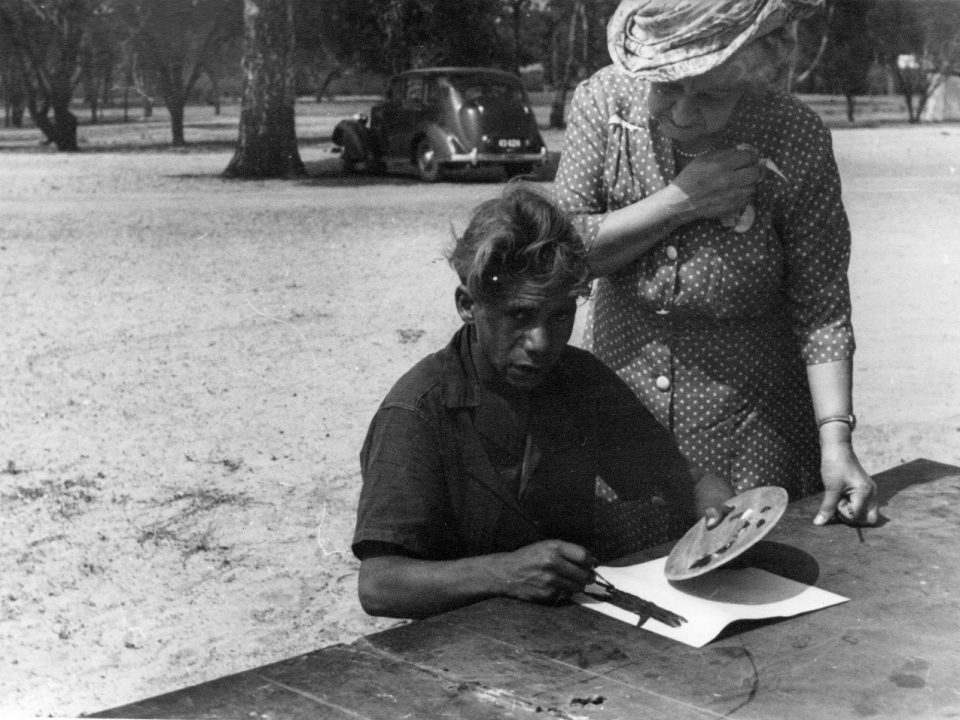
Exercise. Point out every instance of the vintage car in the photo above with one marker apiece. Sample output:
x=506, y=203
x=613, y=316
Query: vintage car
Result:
x=434, y=119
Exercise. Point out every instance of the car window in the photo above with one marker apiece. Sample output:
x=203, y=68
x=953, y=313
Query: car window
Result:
x=414, y=90
x=434, y=90
x=487, y=89
x=396, y=91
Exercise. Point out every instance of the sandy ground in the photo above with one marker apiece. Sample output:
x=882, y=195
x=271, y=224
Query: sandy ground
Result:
x=189, y=365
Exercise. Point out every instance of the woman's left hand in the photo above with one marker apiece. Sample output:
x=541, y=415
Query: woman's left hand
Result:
x=849, y=492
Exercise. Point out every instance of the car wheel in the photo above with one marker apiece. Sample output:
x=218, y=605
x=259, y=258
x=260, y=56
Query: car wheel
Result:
x=428, y=161
x=517, y=169
x=350, y=157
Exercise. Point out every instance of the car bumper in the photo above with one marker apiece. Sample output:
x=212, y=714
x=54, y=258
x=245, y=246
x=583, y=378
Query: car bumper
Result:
x=475, y=157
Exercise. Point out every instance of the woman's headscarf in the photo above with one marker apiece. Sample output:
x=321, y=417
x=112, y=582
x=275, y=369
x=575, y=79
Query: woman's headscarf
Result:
x=666, y=40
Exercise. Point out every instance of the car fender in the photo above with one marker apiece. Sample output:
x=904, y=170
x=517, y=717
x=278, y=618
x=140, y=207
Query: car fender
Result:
x=442, y=140
x=356, y=140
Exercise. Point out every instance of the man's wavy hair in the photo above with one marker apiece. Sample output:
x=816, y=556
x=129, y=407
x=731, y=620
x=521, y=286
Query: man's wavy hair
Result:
x=519, y=237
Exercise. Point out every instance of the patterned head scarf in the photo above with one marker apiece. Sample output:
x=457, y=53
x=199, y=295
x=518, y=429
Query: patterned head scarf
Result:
x=667, y=40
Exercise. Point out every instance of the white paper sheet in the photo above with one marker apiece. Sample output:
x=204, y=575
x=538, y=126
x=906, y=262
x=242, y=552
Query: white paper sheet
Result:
x=709, y=602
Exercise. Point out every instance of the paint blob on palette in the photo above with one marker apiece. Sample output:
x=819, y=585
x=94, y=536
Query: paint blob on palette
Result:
x=747, y=518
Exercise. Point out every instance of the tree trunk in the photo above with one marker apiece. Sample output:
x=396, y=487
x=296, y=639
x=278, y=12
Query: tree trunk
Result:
x=851, y=106
x=15, y=96
x=517, y=23
x=335, y=73
x=821, y=51
x=62, y=130
x=176, y=109
x=174, y=92
x=267, y=145
x=14, y=111
x=65, y=133
x=106, y=89
x=93, y=102
x=558, y=107
x=215, y=91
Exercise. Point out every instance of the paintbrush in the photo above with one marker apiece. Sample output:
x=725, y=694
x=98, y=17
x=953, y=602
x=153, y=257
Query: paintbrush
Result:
x=633, y=603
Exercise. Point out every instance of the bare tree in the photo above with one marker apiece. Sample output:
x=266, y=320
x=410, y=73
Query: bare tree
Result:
x=920, y=42
x=388, y=36
x=12, y=86
x=798, y=77
x=267, y=146
x=98, y=57
x=577, y=22
x=175, y=41
x=135, y=80
x=851, y=52
x=43, y=41
x=517, y=9
x=836, y=51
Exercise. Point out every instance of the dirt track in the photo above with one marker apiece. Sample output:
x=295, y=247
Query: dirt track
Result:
x=189, y=366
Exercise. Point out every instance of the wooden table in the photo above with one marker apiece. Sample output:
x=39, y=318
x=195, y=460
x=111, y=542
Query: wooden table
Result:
x=893, y=651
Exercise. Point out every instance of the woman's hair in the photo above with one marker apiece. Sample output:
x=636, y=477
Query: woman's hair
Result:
x=519, y=237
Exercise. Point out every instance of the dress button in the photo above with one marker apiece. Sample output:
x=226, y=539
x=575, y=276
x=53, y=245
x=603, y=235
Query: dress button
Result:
x=663, y=383
x=671, y=252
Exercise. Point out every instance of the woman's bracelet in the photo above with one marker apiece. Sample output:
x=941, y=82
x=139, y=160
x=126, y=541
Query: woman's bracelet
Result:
x=849, y=419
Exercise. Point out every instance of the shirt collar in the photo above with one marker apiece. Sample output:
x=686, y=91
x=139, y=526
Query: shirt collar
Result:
x=460, y=386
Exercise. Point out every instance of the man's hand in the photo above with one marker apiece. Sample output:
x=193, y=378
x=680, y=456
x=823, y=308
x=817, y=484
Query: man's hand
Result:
x=719, y=183
x=545, y=571
x=849, y=492
x=710, y=494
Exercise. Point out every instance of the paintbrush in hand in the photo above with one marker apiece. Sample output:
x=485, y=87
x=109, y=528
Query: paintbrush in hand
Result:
x=633, y=603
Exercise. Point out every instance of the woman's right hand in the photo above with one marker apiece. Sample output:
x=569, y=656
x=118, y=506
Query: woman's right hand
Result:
x=718, y=184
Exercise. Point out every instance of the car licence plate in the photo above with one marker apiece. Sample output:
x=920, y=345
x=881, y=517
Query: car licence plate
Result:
x=509, y=143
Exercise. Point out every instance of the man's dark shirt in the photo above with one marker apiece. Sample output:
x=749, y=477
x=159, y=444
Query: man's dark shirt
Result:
x=435, y=461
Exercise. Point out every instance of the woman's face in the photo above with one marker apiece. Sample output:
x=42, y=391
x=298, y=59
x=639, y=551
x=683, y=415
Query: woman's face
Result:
x=698, y=107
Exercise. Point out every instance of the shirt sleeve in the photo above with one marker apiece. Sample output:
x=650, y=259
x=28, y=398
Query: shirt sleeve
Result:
x=816, y=238
x=579, y=185
x=402, y=497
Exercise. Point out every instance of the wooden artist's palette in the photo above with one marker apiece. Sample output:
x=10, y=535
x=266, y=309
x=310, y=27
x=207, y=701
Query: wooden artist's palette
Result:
x=752, y=515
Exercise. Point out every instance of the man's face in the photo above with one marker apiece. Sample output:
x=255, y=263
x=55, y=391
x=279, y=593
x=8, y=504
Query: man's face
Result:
x=695, y=108
x=521, y=334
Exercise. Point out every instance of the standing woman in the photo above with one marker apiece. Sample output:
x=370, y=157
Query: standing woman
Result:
x=710, y=205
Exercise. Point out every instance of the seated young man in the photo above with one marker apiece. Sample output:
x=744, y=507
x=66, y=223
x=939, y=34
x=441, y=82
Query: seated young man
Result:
x=481, y=466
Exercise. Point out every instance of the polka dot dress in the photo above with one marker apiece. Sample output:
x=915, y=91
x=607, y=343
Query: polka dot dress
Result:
x=712, y=328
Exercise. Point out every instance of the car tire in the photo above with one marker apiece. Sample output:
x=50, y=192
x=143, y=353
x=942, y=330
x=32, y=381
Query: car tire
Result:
x=353, y=165
x=428, y=161
x=517, y=169
x=351, y=157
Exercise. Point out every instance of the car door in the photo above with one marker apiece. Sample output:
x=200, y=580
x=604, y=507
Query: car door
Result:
x=389, y=116
x=402, y=114
x=414, y=107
